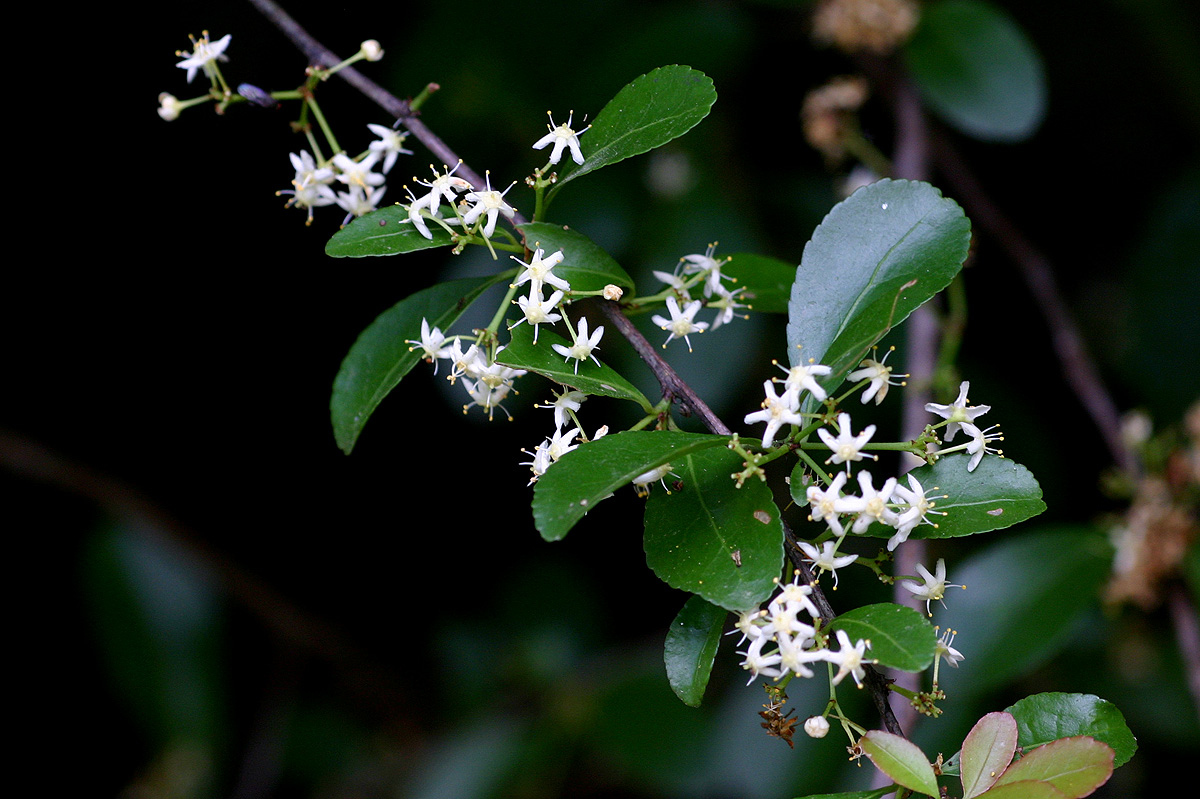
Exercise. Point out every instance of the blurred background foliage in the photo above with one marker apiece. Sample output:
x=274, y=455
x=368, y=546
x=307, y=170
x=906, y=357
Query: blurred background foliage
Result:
x=243, y=611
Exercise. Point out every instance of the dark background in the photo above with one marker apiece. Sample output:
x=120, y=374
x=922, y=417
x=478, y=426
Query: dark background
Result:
x=176, y=332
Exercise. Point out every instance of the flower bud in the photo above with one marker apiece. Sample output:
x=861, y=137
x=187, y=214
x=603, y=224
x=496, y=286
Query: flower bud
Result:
x=613, y=292
x=168, y=107
x=371, y=50
x=816, y=726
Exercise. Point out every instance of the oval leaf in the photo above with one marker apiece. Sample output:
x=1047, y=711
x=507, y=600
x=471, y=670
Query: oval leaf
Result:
x=998, y=494
x=767, y=281
x=382, y=355
x=878, y=793
x=593, y=471
x=691, y=646
x=986, y=752
x=385, y=231
x=1024, y=789
x=1042, y=718
x=876, y=257
x=901, y=638
x=900, y=759
x=711, y=538
x=1076, y=766
x=977, y=70
x=649, y=112
x=585, y=265
x=522, y=353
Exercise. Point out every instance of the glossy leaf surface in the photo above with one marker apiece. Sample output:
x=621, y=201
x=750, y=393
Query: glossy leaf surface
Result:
x=901, y=638
x=875, y=258
x=649, y=112
x=1042, y=718
x=901, y=760
x=711, y=538
x=1076, y=766
x=585, y=265
x=767, y=281
x=691, y=646
x=385, y=231
x=988, y=749
x=382, y=356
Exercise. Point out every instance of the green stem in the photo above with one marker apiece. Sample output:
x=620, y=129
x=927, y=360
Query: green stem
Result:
x=311, y=102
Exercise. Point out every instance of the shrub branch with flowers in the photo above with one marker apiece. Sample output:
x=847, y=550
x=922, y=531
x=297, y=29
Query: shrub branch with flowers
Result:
x=714, y=528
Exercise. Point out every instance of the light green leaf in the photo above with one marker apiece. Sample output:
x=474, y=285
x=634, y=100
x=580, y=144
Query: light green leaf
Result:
x=767, y=281
x=691, y=646
x=573, y=485
x=998, y=494
x=900, y=759
x=383, y=232
x=711, y=538
x=875, y=258
x=875, y=794
x=976, y=69
x=382, y=357
x=901, y=638
x=1042, y=718
x=586, y=266
x=1024, y=789
x=602, y=380
x=986, y=752
x=649, y=112
x=1076, y=766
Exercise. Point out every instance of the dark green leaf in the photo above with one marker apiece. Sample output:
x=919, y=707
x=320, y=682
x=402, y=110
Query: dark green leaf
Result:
x=711, y=538
x=1024, y=789
x=901, y=638
x=998, y=494
x=1076, y=766
x=691, y=647
x=901, y=760
x=383, y=232
x=876, y=257
x=649, y=112
x=986, y=752
x=382, y=356
x=522, y=353
x=593, y=471
x=767, y=281
x=1042, y=718
x=875, y=794
x=976, y=68
x=585, y=265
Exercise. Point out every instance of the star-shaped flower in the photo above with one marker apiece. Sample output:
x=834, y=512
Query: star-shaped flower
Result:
x=490, y=204
x=933, y=586
x=357, y=173
x=944, y=649
x=979, y=443
x=389, y=144
x=538, y=311
x=827, y=505
x=431, y=343
x=803, y=378
x=826, y=558
x=849, y=658
x=562, y=136
x=681, y=323
x=538, y=270
x=564, y=404
x=442, y=187
x=846, y=446
x=776, y=412
x=583, y=347
x=913, y=512
x=880, y=375
x=957, y=412
x=874, y=503
x=204, y=53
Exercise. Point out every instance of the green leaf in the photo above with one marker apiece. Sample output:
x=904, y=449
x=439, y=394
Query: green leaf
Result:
x=1024, y=789
x=593, y=471
x=1042, y=718
x=767, y=281
x=383, y=232
x=901, y=638
x=711, y=538
x=382, y=356
x=649, y=112
x=986, y=752
x=1032, y=589
x=875, y=794
x=998, y=494
x=876, y=257
x=585, y=265
x=900, y=759
x=541, y=358
x=691, y=646
x=976, y=69
x=1076, y=766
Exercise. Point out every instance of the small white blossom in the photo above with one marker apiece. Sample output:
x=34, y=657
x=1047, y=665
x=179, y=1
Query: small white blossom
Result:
x=706, y=265
x=541, y=461
x=204, y=53
x=758, y=664
x=490, y=204
x=357, y=173
x=957, y=412
x=681, y=323
x=390, y=145
x=486, y=396
x=932, y=587
x=641, y=483
x=371, y=50
x=874, y=503
x=803, y=377
x=568, y=401
x=584, y=345
x=979, y=443
x=442, y=187
x=727, y=306
x=431, y=343
x=560, y=442
x=776, y=412
x=846, y=447
x=849, y=658
x=538, y=270
x=538, y=311
x=944, y=649
x=880, y=375
x=826, y=558
x=169, y=107
x=562, y=136
x=816, y=727
x=913, y=512
x=357, y=202
x=827, y=505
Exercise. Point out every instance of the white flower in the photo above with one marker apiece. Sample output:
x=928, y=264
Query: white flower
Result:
x=582, y=349
x=943, y=649
x=486, y=396
x=677, y=284
x=681, y=323
x=918, y=507
x=488, y=202
x=849, y=658
x=203, y=54
x=431, y=343
x=541, y=461
x=538, y=270
x=794, y=657
x=776, y=412
x=880, y=376
x=538, y=311
x=979, y=443
x=443, y=186
x=827, y=505
x=846, y=447
x=749, y=624
x=727, y=306
x=758, y=664
x=562, y=136
x=802, y=377
x=357, y=202
x=796, y=594
x=414, y=214
x=307, y=171
x=641, y=483
x=826, y=559
x=169, y=107
x=933, y=586
x=371, y=50
x=708, y=266
x=816, y=727
x=390, y=144
x=358, y=173
x=874, y=503
x=957, y=412
x=560, y=443
x=568, y=401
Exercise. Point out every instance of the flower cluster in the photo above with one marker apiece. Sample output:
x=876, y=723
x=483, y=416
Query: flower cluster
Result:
x=486, y=382
x=692, y=271
x=782, y=643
